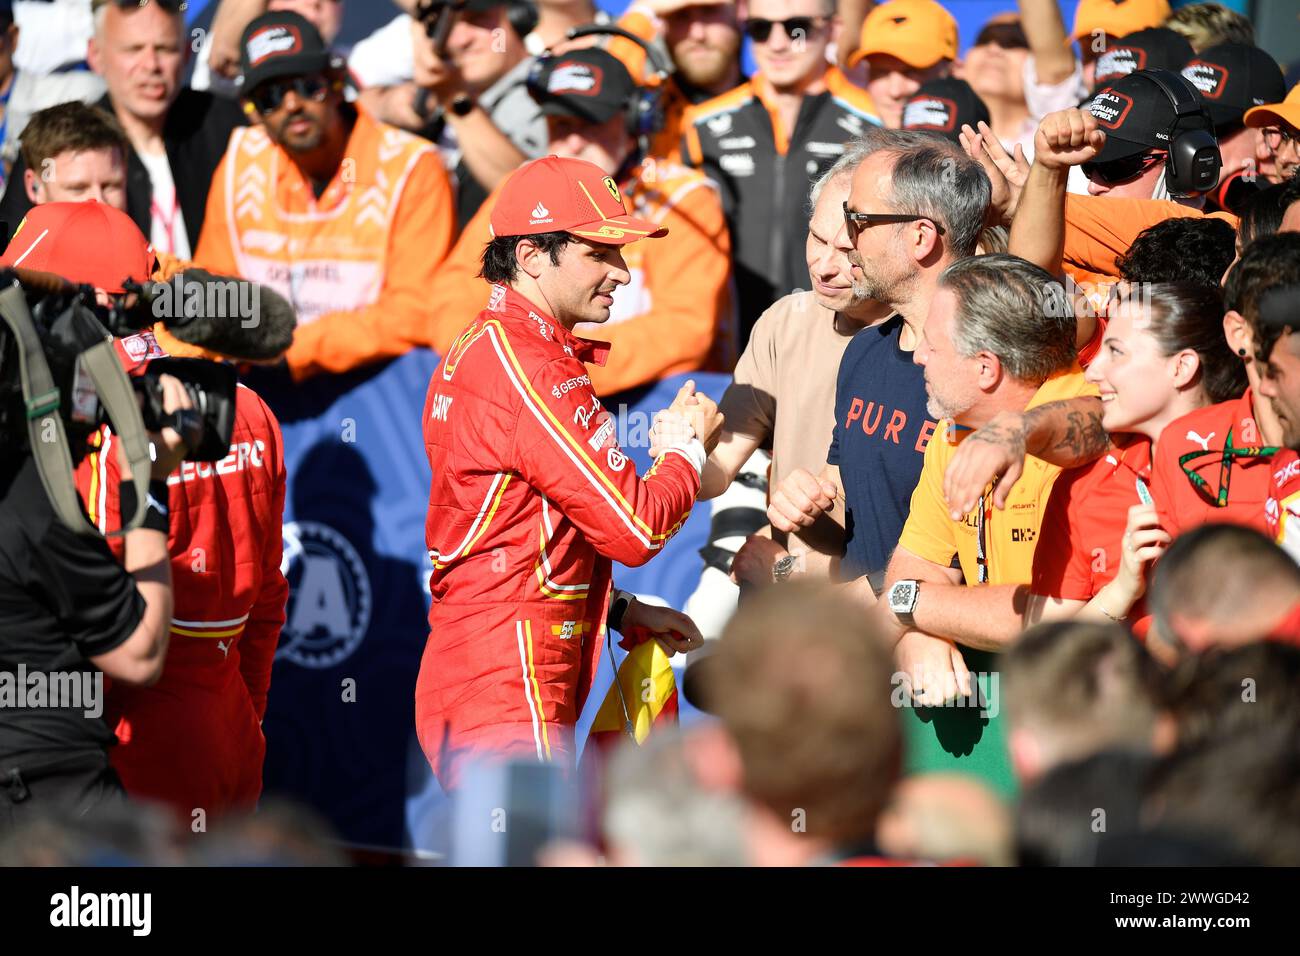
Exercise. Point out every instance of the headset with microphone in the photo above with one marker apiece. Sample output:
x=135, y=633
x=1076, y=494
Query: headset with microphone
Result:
x=1194, y=160
x=644, y=113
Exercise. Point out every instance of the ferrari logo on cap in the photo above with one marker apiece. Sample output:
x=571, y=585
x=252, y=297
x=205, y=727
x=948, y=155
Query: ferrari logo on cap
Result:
x=613, y=190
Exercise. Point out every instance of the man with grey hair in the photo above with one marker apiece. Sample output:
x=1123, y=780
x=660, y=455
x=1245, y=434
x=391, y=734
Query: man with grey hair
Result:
x=177, y=135
x=999, y=336
x=918, y=204
x=783, y=398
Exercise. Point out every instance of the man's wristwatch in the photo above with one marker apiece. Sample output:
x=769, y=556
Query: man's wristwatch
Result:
x=902, y=600
x=783, y=568
x=462, y=104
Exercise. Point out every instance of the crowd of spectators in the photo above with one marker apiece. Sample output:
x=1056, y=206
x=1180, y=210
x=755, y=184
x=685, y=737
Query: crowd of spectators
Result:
x=1014, y=368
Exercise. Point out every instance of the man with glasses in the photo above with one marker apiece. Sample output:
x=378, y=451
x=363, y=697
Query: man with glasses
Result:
x=344, y=216
x=1280, y=125
x=177, y=135
x=1121, y=143
x=1136, y=116
x=769, y=139
x=881, y=425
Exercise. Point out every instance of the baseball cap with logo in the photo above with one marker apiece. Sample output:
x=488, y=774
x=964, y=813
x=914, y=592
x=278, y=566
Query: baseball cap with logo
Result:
x=1233, y=78
x=557, y=194
x=918, y=32
x=588, y=84
x=944, y=107
x=279, y=44
x=1135, y=115
x=1154, y=48
x=1117, y=18
x=1274, y=114
x=84, y=242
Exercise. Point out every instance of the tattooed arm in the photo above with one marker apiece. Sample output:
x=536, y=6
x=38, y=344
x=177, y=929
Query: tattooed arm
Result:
x=1066, y=433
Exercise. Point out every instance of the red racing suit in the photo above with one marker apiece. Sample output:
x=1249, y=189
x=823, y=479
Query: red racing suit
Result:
x=194, y=739
x=531, y=498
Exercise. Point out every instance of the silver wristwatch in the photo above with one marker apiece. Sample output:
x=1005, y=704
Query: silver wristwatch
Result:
x=902, y=600
x=784, y=567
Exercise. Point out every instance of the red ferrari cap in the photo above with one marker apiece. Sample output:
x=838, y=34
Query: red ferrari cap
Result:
x=84, y=242
x=556, y=194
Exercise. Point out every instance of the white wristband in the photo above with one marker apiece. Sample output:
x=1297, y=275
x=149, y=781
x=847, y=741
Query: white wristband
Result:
x=693, y=451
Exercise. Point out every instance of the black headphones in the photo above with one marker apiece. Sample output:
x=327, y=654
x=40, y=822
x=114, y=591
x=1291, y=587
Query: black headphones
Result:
x=1194, y=160
x=643, y=115
x=522, y=15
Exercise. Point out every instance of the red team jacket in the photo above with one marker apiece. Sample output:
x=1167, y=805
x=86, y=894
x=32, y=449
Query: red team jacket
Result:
x=193, y=740
x=530, y=501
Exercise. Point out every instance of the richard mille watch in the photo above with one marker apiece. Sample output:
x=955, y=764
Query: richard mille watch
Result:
x=783, y=568
x=902, y=600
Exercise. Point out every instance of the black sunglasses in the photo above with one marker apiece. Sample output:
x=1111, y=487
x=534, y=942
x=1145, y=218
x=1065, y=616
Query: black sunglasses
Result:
x=1117, y=171
x=269, y=97
x=758, y=29
x=855, y=222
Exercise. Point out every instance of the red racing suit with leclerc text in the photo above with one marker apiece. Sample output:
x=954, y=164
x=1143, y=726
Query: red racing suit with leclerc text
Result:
x=194, y=739
x=531, y=500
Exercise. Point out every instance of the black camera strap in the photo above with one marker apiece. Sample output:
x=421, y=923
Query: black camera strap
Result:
x=41, y=400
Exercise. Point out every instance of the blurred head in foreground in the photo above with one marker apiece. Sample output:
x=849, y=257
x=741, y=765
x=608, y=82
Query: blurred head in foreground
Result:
x=1073, y=689
x=808, y=732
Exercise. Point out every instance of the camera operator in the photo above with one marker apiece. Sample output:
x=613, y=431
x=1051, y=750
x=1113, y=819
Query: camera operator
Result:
x=67, y=606
x=194, y=740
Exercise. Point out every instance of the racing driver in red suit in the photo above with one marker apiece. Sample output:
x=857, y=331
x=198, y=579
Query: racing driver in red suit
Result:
x=531, y=497
x=193, y=740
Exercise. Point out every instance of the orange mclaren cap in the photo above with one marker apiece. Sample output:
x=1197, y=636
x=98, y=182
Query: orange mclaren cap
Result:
x=1274, y=114
x=918, y=32
x=1117, y=18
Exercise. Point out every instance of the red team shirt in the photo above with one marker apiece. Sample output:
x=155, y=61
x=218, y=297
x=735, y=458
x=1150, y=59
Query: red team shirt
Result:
x=1084, y=523
x=1179, y=502
x=194, y=739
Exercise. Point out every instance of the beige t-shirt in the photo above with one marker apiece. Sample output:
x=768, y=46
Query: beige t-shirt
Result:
x=784, y=393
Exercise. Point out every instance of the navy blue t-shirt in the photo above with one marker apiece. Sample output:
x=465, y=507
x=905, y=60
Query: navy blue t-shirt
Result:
x=881, y=430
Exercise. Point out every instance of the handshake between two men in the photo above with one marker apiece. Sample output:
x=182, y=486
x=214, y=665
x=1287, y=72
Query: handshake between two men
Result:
x=692, y=414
